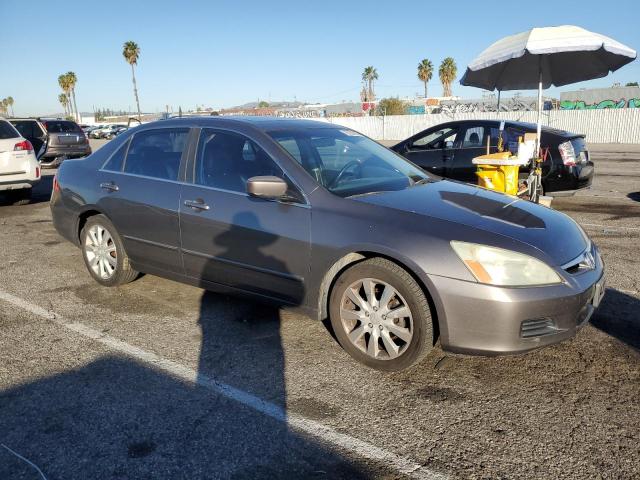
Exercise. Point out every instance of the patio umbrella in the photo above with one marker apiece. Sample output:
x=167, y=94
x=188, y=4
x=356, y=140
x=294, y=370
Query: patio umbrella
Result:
x=542, y=57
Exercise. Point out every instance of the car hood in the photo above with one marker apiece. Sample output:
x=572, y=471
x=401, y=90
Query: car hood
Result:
x=540, y=227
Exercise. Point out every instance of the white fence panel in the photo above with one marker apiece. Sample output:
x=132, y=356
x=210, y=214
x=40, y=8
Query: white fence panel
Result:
x=600, y=126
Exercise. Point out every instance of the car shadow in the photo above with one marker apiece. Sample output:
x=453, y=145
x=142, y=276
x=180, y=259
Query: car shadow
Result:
x=619, y=317
x=41, y=191
x=117, y=417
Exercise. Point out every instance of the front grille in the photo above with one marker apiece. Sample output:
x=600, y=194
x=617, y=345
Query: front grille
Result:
x=537, y=327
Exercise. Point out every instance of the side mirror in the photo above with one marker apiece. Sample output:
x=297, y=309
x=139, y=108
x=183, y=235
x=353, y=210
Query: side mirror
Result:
x=266, y=187
x=448, y=145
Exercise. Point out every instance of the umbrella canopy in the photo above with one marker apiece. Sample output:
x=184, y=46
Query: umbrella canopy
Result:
x=550, y=56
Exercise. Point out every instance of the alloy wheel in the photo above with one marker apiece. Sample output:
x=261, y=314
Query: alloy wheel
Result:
x=376, y=318
x=100, y=250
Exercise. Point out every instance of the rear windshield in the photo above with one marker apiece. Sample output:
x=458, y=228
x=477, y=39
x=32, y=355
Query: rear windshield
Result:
x=7, y=131
x=61, y=126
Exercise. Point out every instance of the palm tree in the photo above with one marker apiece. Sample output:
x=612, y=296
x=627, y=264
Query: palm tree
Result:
x=72, y=79
x=447, y=72
x=369, y=75
x=63, y=81
x=3, y=105
x=10, y=103
x=62, y=98
x=425, y=72
x=131, y=52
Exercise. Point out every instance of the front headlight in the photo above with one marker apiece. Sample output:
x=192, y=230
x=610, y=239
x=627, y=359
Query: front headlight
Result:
x=497, y=266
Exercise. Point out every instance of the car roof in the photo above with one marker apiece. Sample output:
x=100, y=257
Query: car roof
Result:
x=511, y=123
x=263, y=123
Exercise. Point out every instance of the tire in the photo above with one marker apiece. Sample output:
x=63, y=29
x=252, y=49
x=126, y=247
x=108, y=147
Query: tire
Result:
x=20, y=197
x=375, y=332
x=96, y=253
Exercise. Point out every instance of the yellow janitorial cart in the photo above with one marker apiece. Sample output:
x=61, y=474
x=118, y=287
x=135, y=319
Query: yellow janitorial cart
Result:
x=499, y=171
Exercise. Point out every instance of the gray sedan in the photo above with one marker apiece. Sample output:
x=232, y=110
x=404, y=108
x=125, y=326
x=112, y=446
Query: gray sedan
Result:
x=316, y=216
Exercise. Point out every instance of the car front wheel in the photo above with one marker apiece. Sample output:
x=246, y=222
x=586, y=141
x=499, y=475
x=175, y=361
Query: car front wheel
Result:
x=104, y=254
x=381, y=316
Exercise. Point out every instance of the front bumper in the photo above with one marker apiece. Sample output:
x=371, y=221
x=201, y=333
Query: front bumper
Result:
x=485, y=320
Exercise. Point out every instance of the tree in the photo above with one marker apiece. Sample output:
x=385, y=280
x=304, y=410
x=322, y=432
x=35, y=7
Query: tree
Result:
x=10, y=104
x=72, y=79
x=447, y=72
x=3, y=106
x=370, y=75
x=62, y=98
x=391, y=106
x=629, y=84
x=263, y=104
x=425, y=72
x=63, y=81
x=131, y=53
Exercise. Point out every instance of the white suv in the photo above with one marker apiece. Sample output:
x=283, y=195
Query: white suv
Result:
x=19, y=169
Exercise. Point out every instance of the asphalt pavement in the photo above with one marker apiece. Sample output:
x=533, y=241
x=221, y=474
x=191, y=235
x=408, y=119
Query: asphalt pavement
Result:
x=161, y=380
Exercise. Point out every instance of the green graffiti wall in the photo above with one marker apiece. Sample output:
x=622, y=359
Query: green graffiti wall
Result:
x=581, y=105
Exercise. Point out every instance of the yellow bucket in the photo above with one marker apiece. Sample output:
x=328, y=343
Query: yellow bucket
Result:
x=497, y=174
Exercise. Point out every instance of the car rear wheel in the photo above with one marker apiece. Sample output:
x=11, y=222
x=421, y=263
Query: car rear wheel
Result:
x=381, y=316
x=104, y=254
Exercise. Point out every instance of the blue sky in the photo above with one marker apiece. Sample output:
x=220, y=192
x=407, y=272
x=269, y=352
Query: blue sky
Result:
x=224, y=53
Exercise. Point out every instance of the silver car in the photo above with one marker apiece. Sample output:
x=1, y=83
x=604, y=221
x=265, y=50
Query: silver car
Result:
x=317, y=216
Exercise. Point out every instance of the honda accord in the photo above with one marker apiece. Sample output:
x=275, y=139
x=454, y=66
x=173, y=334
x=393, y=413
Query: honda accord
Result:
x=317, y=216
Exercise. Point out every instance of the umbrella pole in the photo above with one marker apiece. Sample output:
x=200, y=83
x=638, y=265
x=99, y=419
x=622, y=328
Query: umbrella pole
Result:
x=539, y=126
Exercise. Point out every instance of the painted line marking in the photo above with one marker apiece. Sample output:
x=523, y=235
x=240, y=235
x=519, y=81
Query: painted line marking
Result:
x=608, y=227
x=311, y=427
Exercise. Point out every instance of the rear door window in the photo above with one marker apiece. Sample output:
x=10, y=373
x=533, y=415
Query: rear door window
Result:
x=115, y=162
x=7, y=130
x=157, y=153
x=473, y=137
x=62, y=126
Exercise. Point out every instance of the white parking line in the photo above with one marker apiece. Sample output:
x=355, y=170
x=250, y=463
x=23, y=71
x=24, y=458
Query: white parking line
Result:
x=297, y=422
x=607, y=227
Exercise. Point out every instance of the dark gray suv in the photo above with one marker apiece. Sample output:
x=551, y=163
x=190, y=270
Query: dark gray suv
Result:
x=53, y=140
x=317, y=216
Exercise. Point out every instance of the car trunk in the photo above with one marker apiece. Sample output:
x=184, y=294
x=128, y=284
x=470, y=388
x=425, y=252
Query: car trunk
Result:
x=65, y=134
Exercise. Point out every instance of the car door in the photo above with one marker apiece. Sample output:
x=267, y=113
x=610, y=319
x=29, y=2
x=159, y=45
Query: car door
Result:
x=433, y=149
x=140, y=186
x=231, y=238
x=473, y=143
x=33, y=131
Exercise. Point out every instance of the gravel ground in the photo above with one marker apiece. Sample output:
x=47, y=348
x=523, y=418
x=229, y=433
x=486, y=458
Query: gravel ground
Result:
x=78, y=408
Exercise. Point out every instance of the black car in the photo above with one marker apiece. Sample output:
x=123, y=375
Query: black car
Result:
x=448, y=149
x=53, y=140
x=317, y=216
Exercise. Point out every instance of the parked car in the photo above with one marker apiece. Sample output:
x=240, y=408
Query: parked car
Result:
x=447, y=150
x=96, y=131
x=54, y=140
x=320, y=217
x=113, y=131
x=19, y=169
x=106, y=131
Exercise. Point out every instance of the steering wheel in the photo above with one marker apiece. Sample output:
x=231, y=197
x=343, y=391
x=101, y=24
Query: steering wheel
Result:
x=343, y=172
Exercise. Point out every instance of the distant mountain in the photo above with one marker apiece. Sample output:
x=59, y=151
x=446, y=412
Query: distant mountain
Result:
x=281, y=104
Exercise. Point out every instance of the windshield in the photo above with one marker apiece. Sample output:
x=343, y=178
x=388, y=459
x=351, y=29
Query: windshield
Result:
x=347, y=163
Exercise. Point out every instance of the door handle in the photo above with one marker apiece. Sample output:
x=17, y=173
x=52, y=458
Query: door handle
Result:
x=196, y=204
x=112, y=187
